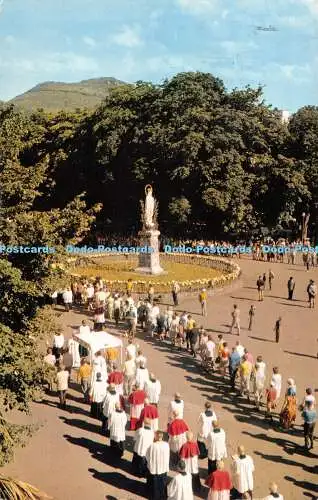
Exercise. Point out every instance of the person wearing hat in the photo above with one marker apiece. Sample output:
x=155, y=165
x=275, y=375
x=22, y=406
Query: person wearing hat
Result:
x=203, y=301
x=180, y=488
x=273, y=493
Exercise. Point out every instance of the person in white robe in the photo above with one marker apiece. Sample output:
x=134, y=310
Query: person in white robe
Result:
x=205, y=424
x=142, y=375
x=144, y=437
x=216, y=444
x=243, y=468
x=153, y=389
x=149, y=412
x=220, y=483
x=97, y=395
x=73, y=347
x=140, y=359
x=177, y=431
x=136, y=401
x=99, y=366
x=189, y=453
x=273, y=493
x=131, y=349
x=116, y=377
x=176, y=405
x=117, y=431
x=157, y=456
x=109, y=404
x=180, y=488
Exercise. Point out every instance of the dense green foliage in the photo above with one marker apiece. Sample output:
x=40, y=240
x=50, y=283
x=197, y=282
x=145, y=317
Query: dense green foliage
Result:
x=26, y=278
x=219, y=160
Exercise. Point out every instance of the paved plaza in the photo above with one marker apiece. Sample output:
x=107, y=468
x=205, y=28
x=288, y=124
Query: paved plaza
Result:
x=66, y=457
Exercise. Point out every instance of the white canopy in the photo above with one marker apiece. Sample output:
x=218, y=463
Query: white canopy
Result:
x=97, y=341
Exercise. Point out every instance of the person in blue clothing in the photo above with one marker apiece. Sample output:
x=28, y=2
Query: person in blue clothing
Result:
x=310, y=417
x=235, y=360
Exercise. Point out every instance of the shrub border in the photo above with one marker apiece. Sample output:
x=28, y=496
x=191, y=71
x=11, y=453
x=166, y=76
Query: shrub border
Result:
x=230, y=269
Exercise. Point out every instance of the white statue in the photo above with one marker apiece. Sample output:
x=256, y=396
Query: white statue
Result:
x=149, y=207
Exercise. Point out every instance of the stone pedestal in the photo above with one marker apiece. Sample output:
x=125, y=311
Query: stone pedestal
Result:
x=149, y=262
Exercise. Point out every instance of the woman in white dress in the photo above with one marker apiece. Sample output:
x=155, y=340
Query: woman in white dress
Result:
x=259, y=376
x=277, y=383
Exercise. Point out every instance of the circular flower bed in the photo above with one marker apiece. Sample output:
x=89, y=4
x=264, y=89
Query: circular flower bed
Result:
x=228, y=271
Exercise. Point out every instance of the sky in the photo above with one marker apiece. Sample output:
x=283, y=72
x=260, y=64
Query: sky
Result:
x=150, y=40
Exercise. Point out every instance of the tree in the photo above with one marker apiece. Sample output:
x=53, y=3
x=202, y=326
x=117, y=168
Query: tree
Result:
x=180, y=209
x=25, y=278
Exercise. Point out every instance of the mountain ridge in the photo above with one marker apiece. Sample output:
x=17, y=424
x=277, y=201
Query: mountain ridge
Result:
x=56, y=96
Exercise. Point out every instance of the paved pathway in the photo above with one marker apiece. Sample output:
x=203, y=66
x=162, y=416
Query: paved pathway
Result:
x=67, y=459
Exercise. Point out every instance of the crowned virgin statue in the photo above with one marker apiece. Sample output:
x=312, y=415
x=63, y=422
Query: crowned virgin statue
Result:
x=149, y=212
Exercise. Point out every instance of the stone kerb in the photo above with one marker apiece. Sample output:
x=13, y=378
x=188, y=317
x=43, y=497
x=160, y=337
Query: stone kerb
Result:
x=230, y=269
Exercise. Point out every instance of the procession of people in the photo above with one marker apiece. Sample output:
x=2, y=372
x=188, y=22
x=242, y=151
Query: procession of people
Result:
x=131, y=392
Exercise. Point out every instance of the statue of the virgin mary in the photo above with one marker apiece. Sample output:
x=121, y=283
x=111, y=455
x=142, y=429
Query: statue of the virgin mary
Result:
x=149, y=207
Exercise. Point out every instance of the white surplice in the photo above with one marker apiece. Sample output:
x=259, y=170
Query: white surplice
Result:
x=205, y=425
x=158, y=457
x=143, y=440
x=73, y=347
x=142, y=376
x=98, y=391
x=243, y=469
x=109, y=404
x=192, y=465
x=99, y=366
x=117, y=425
x=180, y=488
x=153, y=391
x=216, y=444
x=219, y=495
x=176, y=442
x=175, y=407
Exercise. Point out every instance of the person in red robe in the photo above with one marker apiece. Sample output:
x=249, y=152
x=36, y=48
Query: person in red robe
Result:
x=189, y=453
x=136, y=401
x=117, y=378
x=220, y=483
x=177, y=431
x=149, y=412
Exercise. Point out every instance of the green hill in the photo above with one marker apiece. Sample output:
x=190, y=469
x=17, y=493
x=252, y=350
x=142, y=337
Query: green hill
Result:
x=55, y=96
